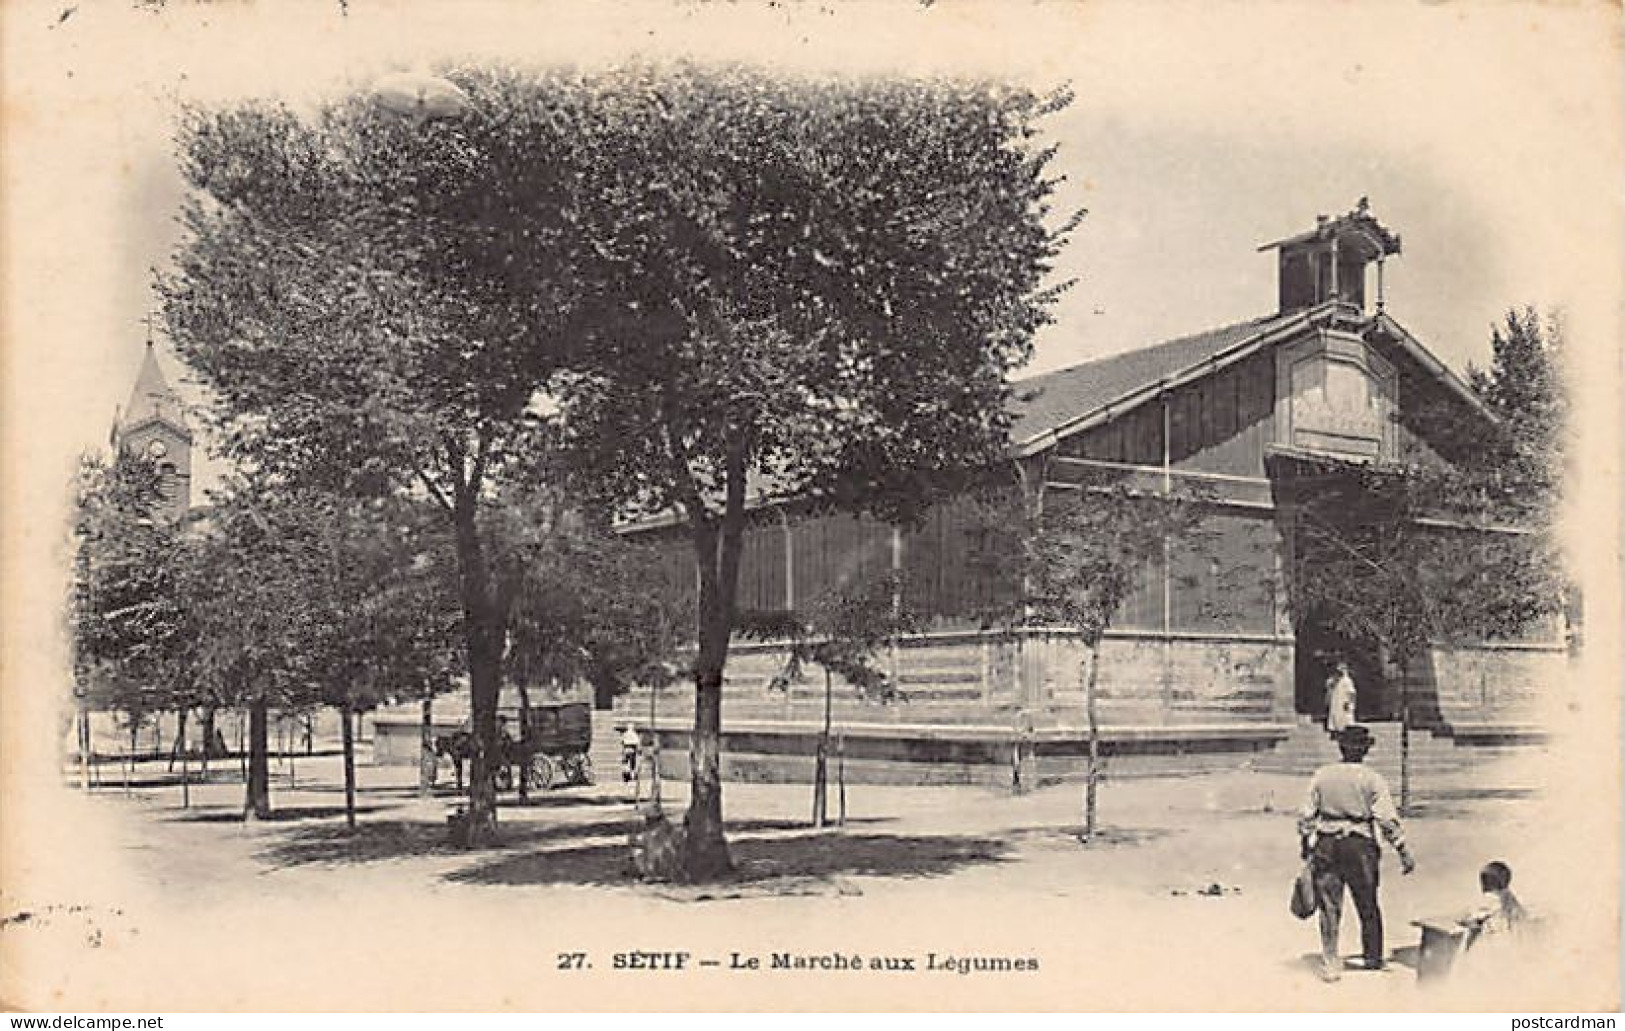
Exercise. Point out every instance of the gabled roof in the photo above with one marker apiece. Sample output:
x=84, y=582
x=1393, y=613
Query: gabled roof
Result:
x=1386, y=324
x=1050, y=402
x=1057, y=404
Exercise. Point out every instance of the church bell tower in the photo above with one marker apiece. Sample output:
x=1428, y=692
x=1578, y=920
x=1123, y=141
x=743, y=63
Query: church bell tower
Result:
x=153, y=426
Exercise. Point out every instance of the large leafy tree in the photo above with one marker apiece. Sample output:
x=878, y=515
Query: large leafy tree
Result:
x=813, y=289
x=719, y=282
x=1524, y=388
x=374, y=301
x=133, y=640
x=241, y=570
x=369, y=618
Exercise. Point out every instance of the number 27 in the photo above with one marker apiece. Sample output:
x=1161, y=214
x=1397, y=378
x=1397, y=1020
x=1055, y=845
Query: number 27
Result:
x=572, y=961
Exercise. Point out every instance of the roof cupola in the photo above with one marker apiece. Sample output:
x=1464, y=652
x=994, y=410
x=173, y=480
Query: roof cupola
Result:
x=1329, y=261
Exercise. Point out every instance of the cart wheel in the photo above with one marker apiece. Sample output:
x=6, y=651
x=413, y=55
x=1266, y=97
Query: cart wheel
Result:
x=502, y=778
x=541, y=772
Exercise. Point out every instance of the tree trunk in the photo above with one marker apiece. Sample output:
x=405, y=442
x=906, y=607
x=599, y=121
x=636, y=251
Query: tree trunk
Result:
x=186, y=780
x=427, y=760
x=524, y=721
x=129, y=758
x=705, y=847
x=1404, y=747
x=821, y=762
x=207, y=727
x=84, y=748
x=175, y=748
x=1092, y=782
x=654, y=748
x=349, y=766
x=257, y=798
x=482, y=635
x=840, y=777
x=1017, y=785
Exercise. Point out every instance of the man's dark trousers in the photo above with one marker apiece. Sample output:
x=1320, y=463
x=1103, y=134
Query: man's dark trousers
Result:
x=1349, y=859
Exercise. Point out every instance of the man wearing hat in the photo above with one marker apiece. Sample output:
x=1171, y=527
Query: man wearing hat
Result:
x=1348, y=804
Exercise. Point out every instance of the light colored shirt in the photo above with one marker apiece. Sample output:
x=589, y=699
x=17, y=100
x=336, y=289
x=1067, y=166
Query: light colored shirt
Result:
x=630, y=738
x=1340, y=703
x=1498, y=912
x=1349, y=798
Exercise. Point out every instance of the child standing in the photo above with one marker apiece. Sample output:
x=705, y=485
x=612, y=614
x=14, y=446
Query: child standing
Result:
x=631, y=743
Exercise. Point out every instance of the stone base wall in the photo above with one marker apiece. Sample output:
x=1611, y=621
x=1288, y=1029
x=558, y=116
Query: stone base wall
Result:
x=973, y=701
x=1151, y=681
x=398, y=741
x=397, y=729
x=786, y=756
x=1496, y=691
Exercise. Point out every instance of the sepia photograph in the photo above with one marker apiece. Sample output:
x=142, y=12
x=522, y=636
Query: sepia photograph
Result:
x=810, y=506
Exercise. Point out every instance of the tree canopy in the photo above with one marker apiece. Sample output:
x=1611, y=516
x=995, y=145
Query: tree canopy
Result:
x=818, y=286
x=1524, y=388
x=701, y=284
x=134, y=641
x=809, y=289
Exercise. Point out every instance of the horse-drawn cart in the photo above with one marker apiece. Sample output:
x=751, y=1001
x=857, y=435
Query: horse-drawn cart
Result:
x=555, y=744
x=552, y=749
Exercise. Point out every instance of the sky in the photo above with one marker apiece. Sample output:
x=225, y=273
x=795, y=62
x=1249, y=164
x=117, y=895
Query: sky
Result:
x=1488, y=136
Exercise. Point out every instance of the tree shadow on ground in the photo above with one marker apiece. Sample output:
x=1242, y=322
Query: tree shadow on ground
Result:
x=371, y=792
x=1104, y=837
x=448, y=792
x=151, y=781
x=286, y=814
x=1463, y=794
x=377, y=841
x=551, y=800
x=1443, y=810
x=759, y=861
x=1462, y=804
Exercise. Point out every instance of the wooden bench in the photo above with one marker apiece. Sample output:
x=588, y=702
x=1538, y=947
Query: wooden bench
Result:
x=1443, y=940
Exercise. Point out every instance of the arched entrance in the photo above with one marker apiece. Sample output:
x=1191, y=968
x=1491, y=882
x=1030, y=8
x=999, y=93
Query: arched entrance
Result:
x=1317, y=647
x=1336, y=518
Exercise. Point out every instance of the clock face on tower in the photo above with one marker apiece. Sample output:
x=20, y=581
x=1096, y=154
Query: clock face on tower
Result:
x=157, y=449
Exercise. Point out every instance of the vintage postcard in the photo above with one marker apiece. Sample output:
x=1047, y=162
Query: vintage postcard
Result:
x=1033, y=506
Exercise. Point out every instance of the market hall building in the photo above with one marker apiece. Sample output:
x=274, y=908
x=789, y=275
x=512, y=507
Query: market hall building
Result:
x=1205, y=666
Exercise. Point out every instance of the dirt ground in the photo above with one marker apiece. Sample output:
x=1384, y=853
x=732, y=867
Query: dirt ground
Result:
x=130, y=901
